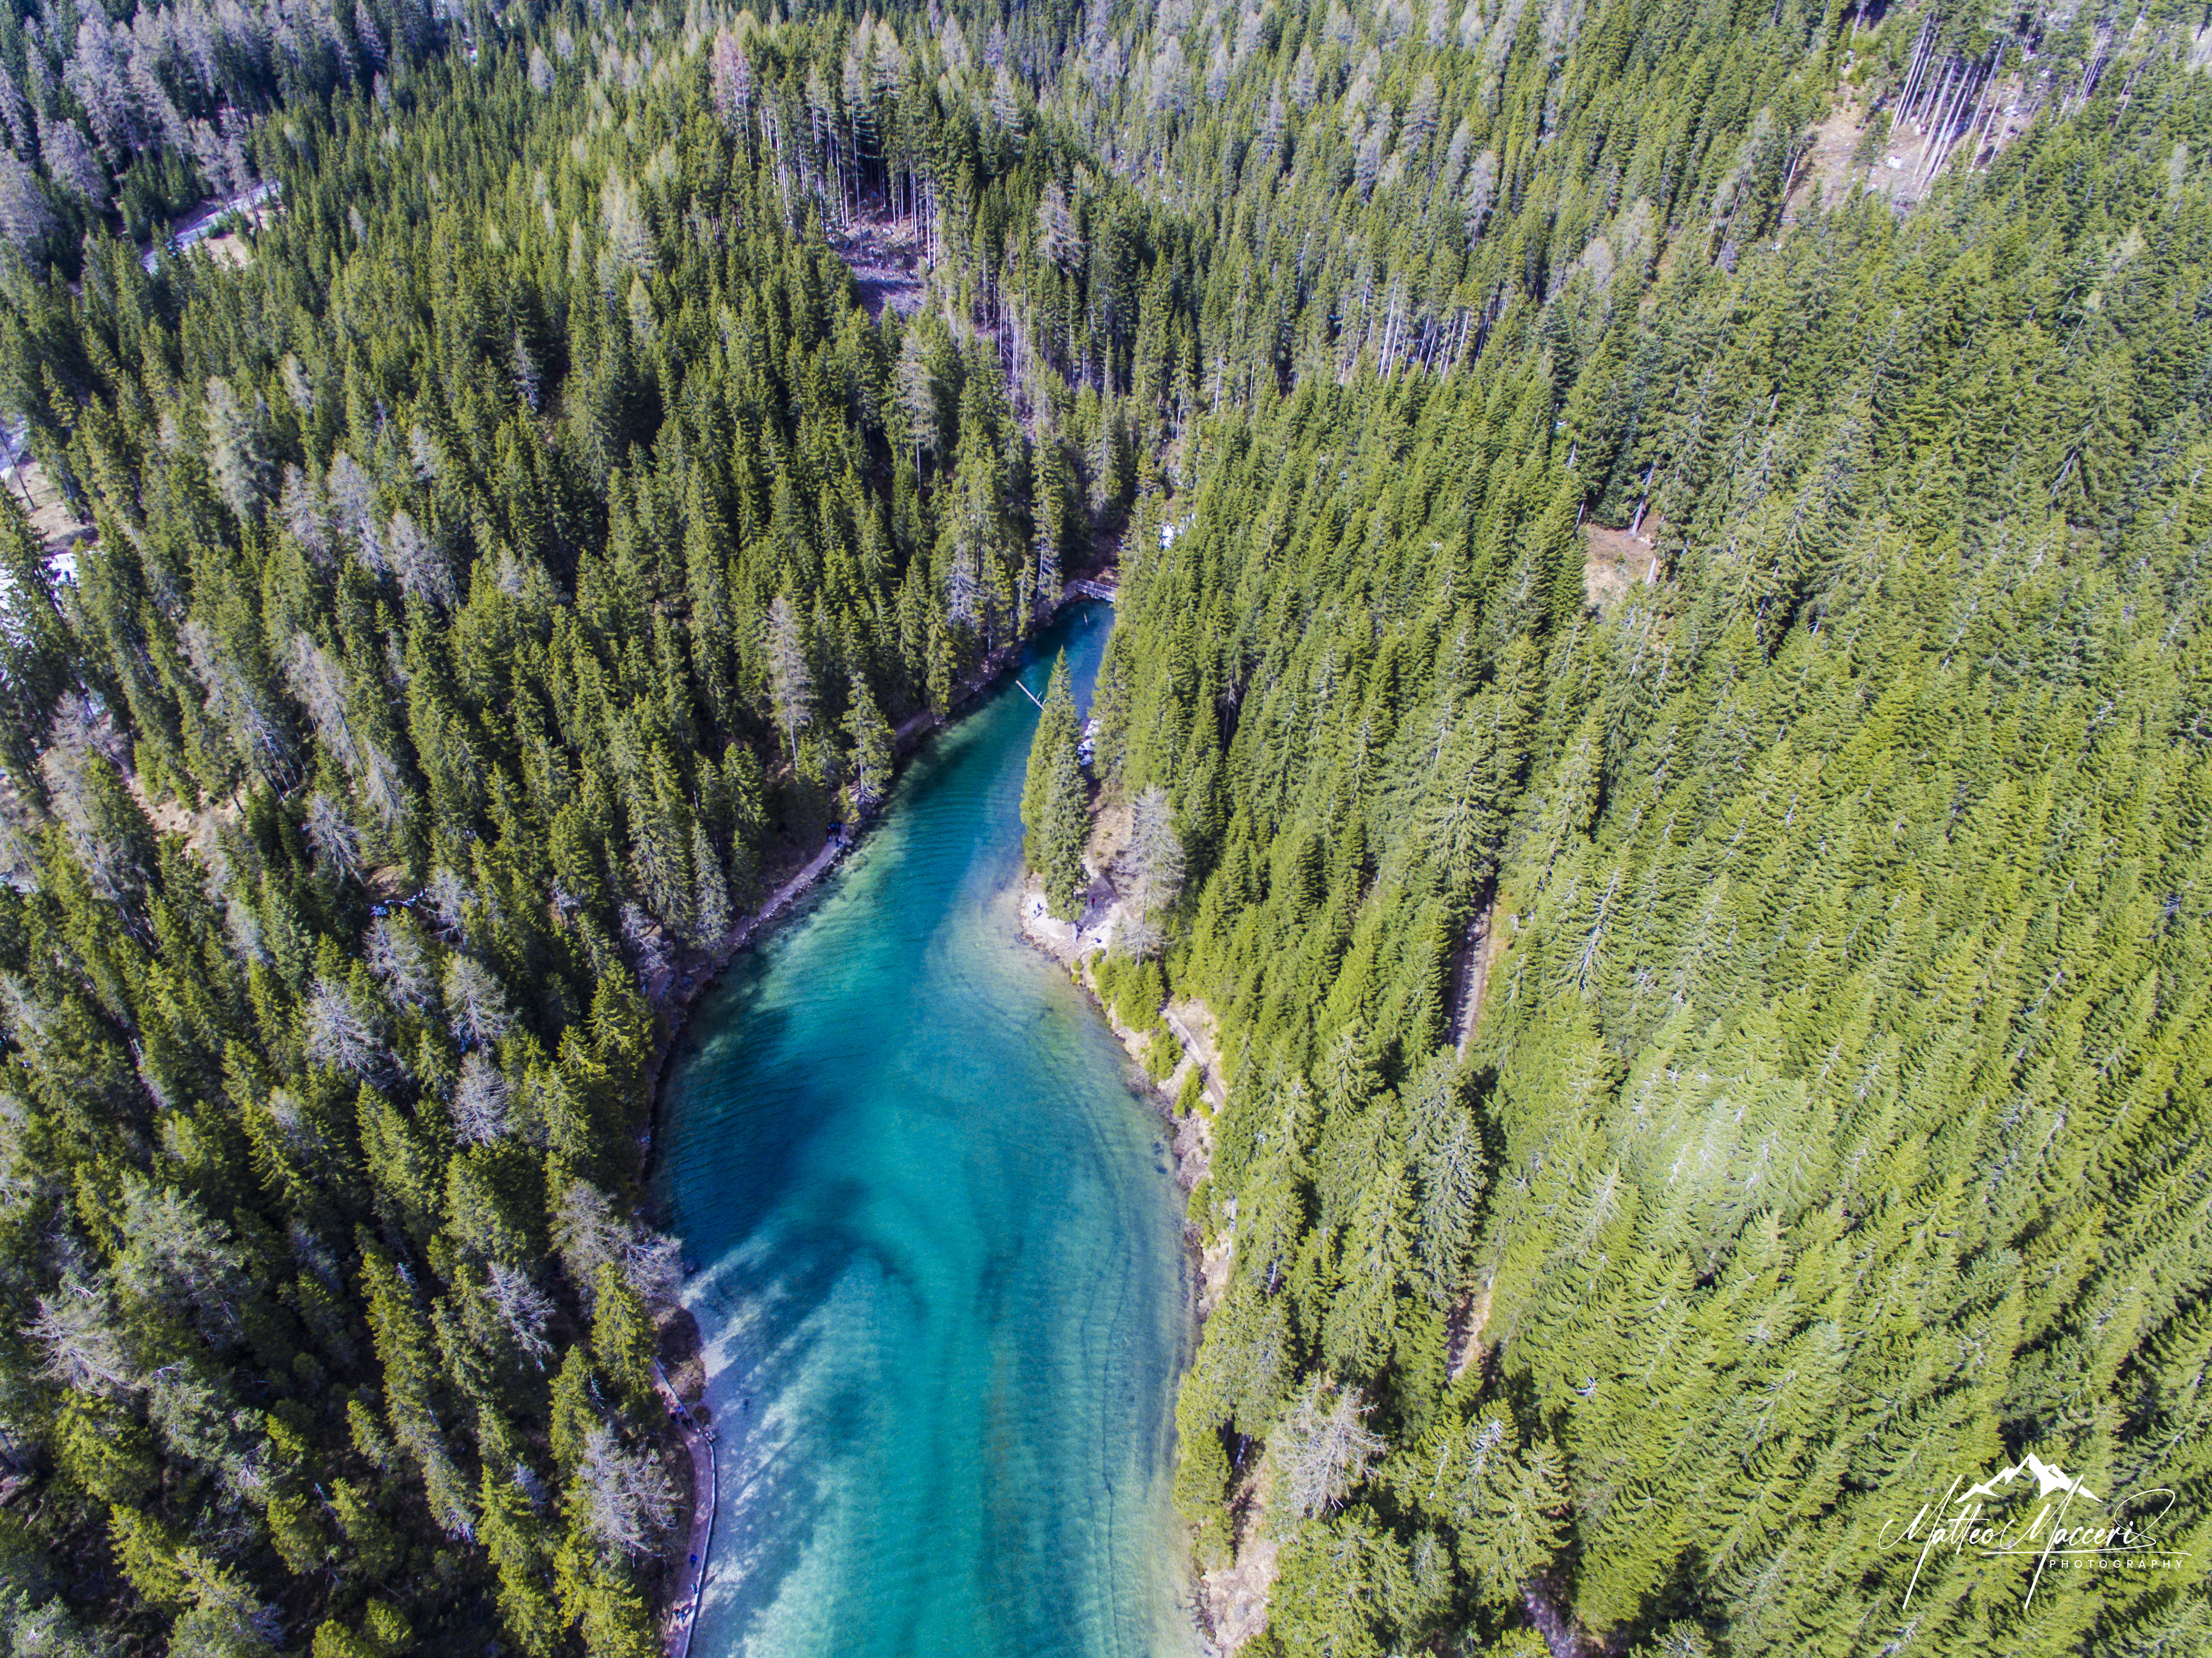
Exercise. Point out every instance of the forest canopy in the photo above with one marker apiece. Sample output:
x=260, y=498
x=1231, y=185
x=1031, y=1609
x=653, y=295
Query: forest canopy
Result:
x=543, y=531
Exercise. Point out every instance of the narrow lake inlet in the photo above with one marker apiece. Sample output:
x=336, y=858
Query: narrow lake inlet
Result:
x=941, y=1285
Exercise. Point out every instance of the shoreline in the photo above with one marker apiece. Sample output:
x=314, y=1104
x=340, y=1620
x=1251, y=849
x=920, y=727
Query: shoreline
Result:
x=1190, y=1022
x=706, y=1497
x=674, y=1002
x=688, y=983
x=1226, y=1606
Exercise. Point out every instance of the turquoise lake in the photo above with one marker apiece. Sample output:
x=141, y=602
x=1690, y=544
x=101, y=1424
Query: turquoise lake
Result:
x=941, y=1283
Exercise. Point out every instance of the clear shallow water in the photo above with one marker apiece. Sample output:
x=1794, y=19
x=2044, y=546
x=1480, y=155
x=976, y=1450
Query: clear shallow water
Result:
x=942, y=1290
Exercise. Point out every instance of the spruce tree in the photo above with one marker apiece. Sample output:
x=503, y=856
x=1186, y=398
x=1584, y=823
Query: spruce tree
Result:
x=1063, y=831
x=1057, y=725
x=872, y=758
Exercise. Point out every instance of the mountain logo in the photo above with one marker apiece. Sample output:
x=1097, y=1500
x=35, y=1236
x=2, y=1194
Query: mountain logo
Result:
x=2050, y=1478
x=2043, y=1534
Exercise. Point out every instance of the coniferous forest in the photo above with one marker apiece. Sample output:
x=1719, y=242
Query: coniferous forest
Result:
x=1662, y=681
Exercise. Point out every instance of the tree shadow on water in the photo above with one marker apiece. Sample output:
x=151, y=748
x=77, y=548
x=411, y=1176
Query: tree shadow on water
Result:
x=787, y=1412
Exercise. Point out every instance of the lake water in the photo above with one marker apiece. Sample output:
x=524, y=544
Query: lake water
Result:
x=941, y=1288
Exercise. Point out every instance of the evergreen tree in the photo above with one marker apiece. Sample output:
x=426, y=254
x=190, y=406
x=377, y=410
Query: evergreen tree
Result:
x=1058, y=727
x=1063, y=830
x=1657, y=676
